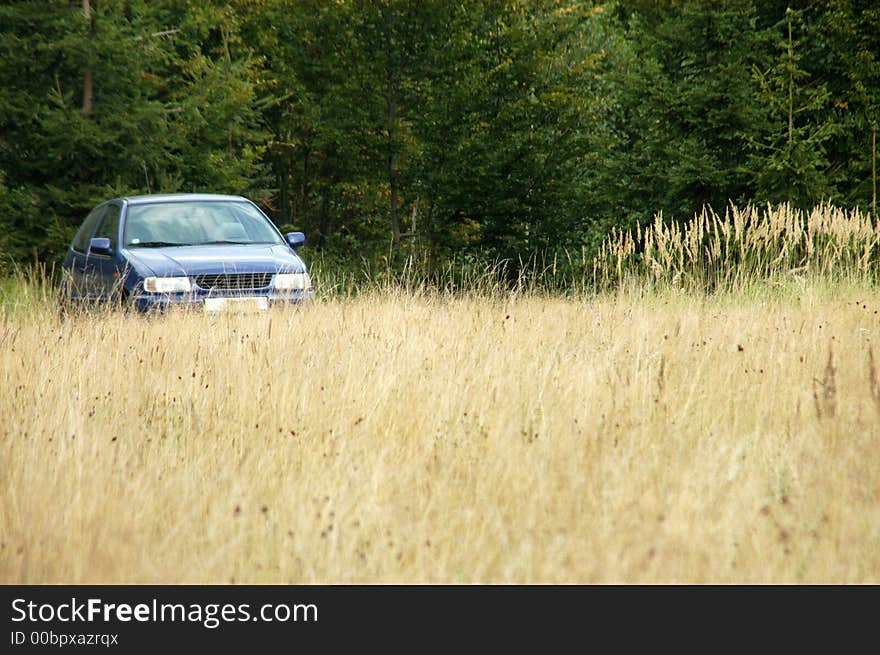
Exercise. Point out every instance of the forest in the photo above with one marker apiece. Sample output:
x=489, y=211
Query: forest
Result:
x=597, y=288
x=393, y=130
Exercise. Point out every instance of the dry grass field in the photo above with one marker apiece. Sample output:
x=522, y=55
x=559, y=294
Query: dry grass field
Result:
x=629, y=436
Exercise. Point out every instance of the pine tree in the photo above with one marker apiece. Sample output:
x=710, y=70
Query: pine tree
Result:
x=788, y=162
x=682, y=104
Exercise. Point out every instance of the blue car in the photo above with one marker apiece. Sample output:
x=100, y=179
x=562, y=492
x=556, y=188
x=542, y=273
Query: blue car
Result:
x=208, y=252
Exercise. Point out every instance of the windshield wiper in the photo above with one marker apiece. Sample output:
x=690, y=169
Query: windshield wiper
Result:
x=154, y=244
x=222, y=242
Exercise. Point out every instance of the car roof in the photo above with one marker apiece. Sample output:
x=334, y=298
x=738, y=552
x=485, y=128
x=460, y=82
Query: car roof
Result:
x=179, y=197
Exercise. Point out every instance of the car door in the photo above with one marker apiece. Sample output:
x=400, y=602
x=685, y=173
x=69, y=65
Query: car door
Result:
x=78, y=255
x=103, y=272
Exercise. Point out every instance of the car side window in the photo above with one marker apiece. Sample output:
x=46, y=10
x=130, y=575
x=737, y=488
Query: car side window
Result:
x=81, y=240
x=109, y=227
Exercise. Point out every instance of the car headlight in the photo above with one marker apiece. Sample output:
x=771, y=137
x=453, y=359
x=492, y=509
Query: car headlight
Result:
x=292, y=281
x=167, y=285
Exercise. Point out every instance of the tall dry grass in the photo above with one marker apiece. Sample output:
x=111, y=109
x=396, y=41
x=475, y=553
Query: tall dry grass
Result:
x=392, y=432
x=420, y=437
x=738, y=249
x=713, y=252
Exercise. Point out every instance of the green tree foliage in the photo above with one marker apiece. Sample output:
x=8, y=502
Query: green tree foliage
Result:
x=393, y=128
x=789, y=142
x=684, y=101
x=453, y=126
x=506, y=127
x=173, y=106
x=841, y=50
x=718, y=103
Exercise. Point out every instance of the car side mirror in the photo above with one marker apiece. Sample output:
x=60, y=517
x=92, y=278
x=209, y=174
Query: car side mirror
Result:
x=100, y=246
x=295, y=239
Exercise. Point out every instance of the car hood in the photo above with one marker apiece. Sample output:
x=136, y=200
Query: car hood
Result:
x=208, y=260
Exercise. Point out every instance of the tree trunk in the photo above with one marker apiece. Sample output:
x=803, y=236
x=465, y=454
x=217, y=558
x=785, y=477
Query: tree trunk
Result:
x=88, y=84
x=282, y=171
x=874, y=170
x=790, y=85
x=392, y=65
x=301, y=203
x=391, y=123
x=324, y=216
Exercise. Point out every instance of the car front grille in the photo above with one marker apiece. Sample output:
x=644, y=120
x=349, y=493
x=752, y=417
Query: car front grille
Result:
x=233, y=281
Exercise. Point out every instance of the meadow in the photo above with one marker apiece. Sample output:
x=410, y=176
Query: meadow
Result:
x=715, y=422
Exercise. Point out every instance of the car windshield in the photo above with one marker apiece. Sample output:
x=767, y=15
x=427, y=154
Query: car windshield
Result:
x=196, y=223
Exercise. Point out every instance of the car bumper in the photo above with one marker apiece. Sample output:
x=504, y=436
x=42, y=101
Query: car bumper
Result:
x=147, y=303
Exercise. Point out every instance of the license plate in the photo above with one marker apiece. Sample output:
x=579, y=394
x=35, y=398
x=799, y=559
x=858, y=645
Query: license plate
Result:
x=236, y=305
